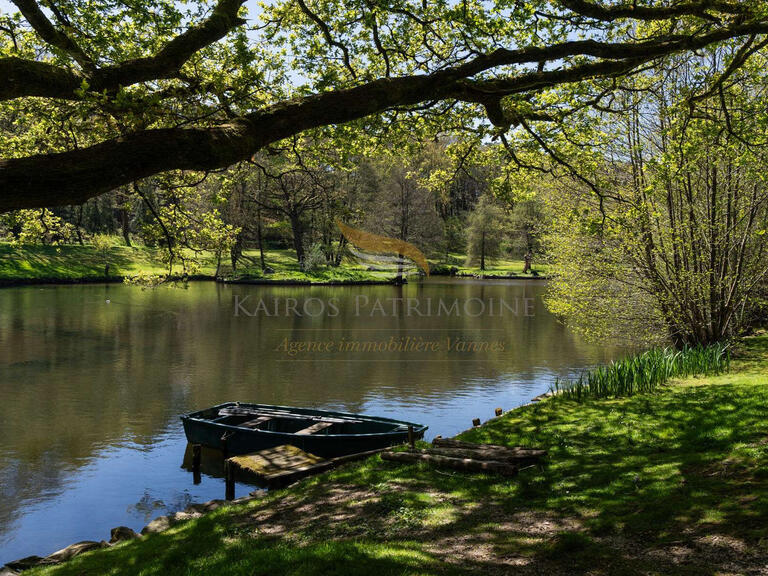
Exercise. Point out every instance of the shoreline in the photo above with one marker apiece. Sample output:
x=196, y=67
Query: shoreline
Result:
x=88, y=280
x=596, y=428
x=120, y=534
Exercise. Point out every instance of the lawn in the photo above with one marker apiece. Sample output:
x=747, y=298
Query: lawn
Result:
x=673, y=482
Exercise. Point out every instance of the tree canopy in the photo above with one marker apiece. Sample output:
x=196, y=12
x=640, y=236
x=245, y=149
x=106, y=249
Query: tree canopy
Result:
x=97, y=95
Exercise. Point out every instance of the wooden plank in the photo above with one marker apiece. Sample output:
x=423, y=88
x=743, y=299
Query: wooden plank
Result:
x=317, y=427
x=256, y=422
x=271, y=462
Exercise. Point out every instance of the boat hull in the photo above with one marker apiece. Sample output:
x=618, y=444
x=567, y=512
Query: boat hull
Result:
x=239, y=440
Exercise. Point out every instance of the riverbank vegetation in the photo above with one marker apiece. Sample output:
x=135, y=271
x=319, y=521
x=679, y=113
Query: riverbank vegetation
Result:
x=644, y=372
x=670, y=482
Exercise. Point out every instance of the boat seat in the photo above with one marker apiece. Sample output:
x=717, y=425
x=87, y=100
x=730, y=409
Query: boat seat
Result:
x=256, y=422
x=316, y=427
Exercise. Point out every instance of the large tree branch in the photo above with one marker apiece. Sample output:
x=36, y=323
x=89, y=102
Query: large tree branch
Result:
x=29, y=78
x=75, y=176
x=24, y=78
x=48, y=32
x=697, y=8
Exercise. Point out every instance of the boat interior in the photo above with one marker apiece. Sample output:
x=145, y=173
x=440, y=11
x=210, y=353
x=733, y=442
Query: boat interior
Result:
x=276, y=420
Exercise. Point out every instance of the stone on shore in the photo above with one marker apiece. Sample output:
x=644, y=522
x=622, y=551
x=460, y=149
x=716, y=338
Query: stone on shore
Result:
x=157, y=525
x=121, y=534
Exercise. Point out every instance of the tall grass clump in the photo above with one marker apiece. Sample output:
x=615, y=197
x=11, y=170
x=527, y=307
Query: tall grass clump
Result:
x=644, y=372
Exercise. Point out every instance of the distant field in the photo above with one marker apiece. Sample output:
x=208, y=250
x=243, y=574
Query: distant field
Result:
x=493, y=267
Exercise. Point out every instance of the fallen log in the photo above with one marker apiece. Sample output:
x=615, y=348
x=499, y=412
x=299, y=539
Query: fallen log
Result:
x=496, y=467
x=511, y=451
x=526, y=456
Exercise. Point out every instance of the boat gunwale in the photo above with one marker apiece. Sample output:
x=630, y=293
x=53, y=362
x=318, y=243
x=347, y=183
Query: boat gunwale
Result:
x=193, y=416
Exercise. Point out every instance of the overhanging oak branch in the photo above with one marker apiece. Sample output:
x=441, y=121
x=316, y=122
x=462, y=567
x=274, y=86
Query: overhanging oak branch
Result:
x=75, y=176
x=21, y=78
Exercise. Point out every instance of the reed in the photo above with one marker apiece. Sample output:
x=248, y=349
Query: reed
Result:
x=644, y=372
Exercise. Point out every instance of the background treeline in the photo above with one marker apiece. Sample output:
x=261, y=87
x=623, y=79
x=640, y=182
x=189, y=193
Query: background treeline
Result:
x=440, y=195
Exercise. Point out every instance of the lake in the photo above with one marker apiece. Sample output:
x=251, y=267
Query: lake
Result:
x=93, y=380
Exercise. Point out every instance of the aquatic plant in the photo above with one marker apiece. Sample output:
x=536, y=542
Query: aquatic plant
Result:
x=644, y=372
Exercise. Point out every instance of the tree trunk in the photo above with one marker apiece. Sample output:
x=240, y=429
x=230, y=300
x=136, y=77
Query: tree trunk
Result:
x=298, y=237
x=125, y=222
x=482, y=252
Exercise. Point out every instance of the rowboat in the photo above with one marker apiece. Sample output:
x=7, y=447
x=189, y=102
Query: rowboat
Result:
x=240, y=428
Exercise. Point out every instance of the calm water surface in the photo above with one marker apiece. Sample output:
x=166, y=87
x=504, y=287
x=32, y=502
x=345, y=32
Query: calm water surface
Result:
x=93, y=380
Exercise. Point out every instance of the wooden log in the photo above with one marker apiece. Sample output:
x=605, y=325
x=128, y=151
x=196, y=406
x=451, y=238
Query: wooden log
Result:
x=499, y=411
x=451, y=443
x=523, y=456
x=503, y=468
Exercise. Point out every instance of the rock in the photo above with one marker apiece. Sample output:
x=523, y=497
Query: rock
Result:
x=212, y=505
x=74, y=550
x=269, y=270
x=6, y=571
x=157, y=525
x=121, y=534
x=185, y=515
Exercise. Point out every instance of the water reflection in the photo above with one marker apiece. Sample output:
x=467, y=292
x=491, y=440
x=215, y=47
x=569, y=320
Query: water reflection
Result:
x=93, y=379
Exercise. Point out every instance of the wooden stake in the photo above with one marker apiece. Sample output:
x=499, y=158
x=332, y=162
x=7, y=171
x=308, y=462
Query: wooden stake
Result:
x=499, y=411
x=196, y=452
x=229, y=480
x=411, y=438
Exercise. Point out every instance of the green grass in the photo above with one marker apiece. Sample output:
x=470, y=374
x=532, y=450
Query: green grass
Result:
x=670, y=482
x=493, y=267
x=74, y=262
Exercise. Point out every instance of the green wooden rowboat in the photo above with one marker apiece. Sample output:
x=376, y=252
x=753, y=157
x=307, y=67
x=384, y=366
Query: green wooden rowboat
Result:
x=240, y=428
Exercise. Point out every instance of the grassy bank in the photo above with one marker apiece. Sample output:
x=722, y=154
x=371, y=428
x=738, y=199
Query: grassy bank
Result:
x=73, y=263
x=673, y=482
